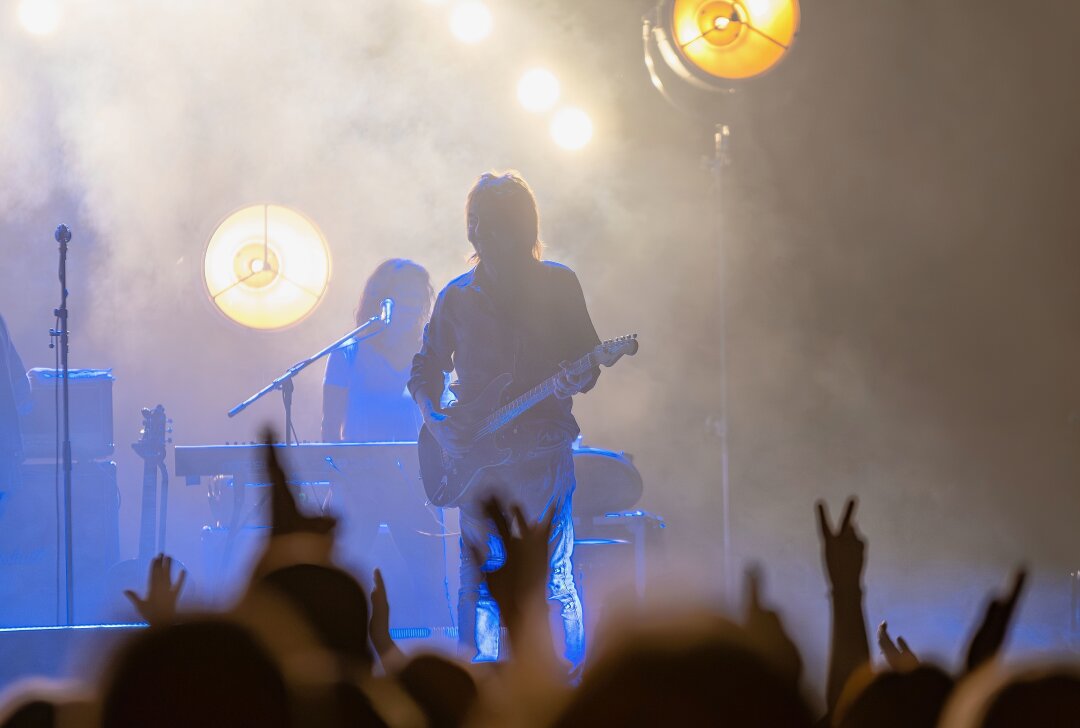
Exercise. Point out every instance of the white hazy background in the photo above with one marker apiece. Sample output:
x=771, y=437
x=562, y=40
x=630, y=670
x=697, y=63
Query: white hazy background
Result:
x=899, y=228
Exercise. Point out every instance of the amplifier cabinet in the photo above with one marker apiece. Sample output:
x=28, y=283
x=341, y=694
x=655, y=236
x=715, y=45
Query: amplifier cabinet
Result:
x=32, y=548
x=91, y=408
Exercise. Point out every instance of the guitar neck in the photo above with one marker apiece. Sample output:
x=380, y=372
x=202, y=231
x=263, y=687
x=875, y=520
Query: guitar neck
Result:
x=509, y=412
x=149, y=510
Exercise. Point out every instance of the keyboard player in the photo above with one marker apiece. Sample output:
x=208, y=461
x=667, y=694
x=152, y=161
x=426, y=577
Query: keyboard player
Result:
x=365, y=400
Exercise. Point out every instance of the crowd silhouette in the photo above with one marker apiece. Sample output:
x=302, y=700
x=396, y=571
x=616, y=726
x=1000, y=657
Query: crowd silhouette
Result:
x=308, y=645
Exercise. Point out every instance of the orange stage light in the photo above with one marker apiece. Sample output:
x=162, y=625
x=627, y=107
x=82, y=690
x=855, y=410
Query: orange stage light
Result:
x=712, y=42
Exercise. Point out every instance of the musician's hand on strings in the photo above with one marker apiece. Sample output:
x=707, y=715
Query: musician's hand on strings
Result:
x=449, y=434
x=162, y=594
x=897, y=654
x=568, y=384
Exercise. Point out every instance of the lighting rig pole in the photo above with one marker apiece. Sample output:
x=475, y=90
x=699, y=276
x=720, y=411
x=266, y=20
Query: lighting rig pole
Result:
x=713, y=46
x=719, y=425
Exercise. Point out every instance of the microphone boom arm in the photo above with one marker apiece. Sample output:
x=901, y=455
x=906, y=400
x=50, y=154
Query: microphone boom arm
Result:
x=284, y=382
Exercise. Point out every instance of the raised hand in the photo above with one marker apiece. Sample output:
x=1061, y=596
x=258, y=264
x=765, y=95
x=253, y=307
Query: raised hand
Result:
x=767, y=632
x=988, y=638
x=844, y=554
x=899, y=658
x=518, y=587
x=162, y=594
x=286, y=518
x=379, y=626
x=843, y=550
x=525, y=571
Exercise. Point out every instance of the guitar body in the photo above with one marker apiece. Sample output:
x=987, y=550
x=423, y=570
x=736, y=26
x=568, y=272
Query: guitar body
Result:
x=447, y=479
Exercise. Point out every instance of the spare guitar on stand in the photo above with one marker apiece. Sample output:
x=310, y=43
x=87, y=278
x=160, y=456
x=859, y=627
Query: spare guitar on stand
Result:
x=132, y=573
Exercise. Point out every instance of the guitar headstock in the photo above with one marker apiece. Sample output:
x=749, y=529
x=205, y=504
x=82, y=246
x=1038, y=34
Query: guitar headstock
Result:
x=152, y=436
x=610, y=351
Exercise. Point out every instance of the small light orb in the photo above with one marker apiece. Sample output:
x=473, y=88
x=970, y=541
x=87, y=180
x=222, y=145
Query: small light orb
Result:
x=571, y=128
x=471, y=21
x=39, y=17
x=538, y=90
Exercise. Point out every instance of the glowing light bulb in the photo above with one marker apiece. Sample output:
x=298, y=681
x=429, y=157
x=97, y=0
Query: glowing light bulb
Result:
x=571, y=128
x=39, y=17
x=471, y=21
x=266, y=266
x=538, y=90
x=722, y=22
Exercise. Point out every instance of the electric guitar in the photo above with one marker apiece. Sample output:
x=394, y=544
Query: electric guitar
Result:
x=447, y=478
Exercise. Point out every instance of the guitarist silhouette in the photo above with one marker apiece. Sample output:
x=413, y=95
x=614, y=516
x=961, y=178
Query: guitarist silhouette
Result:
x=508, y=329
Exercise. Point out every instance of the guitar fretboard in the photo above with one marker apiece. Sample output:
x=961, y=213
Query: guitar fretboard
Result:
x=512, y=410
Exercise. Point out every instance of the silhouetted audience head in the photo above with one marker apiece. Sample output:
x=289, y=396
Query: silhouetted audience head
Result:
x=295, y=651
x=34, y=713
x=445, y=692
x=203, y=672
x=908, y=699
x=685, y=677
x=1040, y=698
x=37, y=702
x=332, y=602
x=995, y=697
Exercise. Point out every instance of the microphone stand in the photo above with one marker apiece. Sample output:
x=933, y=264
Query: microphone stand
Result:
x=63, y=237
x=285, y=383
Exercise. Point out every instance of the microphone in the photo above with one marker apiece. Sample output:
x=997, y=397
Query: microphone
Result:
x=62, y=234
x=387, y=310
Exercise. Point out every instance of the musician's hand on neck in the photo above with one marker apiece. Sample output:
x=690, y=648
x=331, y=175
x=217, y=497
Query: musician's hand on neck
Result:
x=568, y=384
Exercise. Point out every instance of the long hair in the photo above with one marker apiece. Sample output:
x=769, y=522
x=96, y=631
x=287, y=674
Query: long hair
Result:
x=385, y=281
x=507, y=194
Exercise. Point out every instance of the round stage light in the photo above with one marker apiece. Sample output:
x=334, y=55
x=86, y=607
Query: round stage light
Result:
x=266, y=267
x=571, y=128
x=538, y=90
x=471, y=21
x=710, y=42
x=39, y=17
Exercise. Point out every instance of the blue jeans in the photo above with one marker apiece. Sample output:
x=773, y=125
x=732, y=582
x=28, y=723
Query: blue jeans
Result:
x=539, y=484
